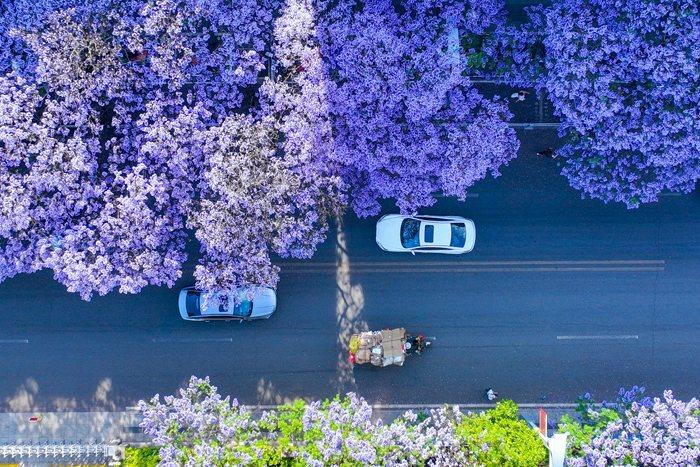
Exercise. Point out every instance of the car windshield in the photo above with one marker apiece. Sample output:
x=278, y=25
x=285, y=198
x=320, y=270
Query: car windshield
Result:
x=410, y=229
x=459, y=235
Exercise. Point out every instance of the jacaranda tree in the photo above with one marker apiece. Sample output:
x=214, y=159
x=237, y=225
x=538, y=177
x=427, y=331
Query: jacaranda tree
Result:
x=408, y=122
x=76, y=199
x=625, y=79
x=635, y=430
x=125, y=123
x=92, y=187
x=200, y=427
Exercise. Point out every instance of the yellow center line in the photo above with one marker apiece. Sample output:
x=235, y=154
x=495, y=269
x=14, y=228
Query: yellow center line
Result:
x=369, y=267
x=453, y=270
x=639, y=262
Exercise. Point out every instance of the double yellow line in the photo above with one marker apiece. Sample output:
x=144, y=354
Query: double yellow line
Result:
x=642, y=265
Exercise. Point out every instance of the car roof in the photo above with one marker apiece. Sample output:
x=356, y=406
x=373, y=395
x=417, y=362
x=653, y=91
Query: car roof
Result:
x=211, y=305
x=435, y=233
x=215, y=307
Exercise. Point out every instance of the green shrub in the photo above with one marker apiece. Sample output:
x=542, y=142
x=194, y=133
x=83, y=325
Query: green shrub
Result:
x=582, y=433
x=498, y=437
x=286, y=424
x=146, y=456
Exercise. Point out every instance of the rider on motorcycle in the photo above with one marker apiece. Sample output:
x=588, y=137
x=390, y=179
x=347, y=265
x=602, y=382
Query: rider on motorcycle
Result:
x=415, y=344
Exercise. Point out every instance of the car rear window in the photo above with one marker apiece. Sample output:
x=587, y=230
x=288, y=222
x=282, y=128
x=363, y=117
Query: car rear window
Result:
x=459, y=235
x=192, y=304
x=410, y=229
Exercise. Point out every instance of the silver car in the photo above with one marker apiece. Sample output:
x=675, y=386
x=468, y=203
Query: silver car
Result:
x=452, y=235
x=196, y=305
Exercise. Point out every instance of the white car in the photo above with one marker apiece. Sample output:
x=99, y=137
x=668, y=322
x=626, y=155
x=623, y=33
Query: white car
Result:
x=452, y=235
x=196, y=305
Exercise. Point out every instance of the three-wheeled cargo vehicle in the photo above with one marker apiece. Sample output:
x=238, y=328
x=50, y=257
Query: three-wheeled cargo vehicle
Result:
x=384, y=348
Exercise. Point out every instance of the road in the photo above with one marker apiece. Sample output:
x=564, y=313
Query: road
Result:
x=559, y=296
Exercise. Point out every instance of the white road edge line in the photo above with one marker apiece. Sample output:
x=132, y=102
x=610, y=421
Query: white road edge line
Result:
x=599, y=263
x=14, y=341
x=448, y=270
x=526, y=405
x=618, y=336
x=477, y=405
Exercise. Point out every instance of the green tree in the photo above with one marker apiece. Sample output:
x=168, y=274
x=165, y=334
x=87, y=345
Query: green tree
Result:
x=337, y=431
x=497, y=437
x=582, y=433
x=146, y=456
x=286, y=423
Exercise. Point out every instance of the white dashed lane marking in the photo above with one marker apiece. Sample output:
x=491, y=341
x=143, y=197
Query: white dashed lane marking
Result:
x=602, y=337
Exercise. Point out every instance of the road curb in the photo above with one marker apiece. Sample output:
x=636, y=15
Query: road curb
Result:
x=526, y=405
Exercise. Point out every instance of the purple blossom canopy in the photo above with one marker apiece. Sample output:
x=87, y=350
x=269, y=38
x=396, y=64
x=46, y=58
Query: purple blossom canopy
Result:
x=87, y=99
x=254, y=202
x=125, y=123
x=664, y=433
x=625, y=77
x=73, y=201
x=408, y=123
x=200, y=427
x=266, y=186
x=206, y=425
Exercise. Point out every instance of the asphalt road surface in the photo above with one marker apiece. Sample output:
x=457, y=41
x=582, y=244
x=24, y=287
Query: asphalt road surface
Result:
x=559, y=296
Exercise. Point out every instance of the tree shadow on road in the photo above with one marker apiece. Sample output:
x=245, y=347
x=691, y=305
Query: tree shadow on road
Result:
x=349, y=304
x=63, y=420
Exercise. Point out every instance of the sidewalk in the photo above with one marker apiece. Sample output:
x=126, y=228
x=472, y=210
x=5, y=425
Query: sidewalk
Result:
x=71, y=428
x=106, y=427
x=67, y=438
x=534, y=109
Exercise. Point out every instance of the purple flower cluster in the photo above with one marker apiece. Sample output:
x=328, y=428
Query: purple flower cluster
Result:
x=199, y=427
x=123, y=123
x=73, y=200
x=97, y=100
x=665, y=433
x=627, y=397
x=408, y=123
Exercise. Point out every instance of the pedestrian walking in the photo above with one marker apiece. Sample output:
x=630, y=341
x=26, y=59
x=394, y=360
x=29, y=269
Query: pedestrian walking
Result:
x=491, y=395
x=548, y=152
x=519, y=96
